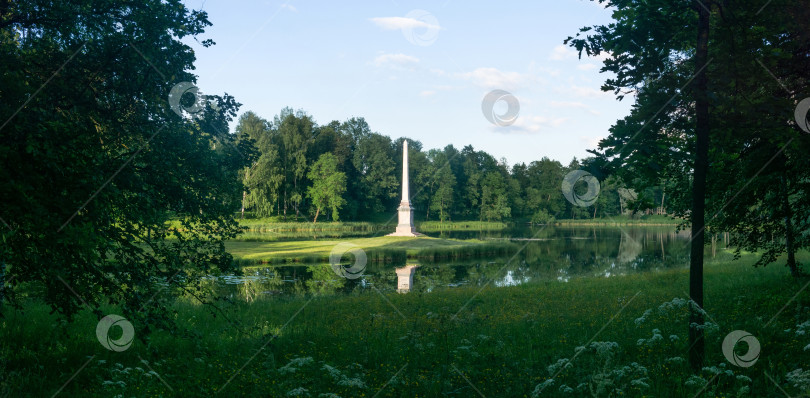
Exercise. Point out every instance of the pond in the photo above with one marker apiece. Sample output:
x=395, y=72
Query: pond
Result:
x=551, y=253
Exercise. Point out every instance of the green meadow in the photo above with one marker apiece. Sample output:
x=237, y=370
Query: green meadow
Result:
x=617, y=336
x=382, y=248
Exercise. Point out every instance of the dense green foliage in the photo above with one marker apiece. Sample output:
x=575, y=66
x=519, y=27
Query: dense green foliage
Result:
x=328, y=186
x=757, y=182
x=93, y=160
x=447, y=184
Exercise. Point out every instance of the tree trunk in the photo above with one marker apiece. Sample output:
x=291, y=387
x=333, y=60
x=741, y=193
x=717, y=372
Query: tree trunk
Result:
x=701, y=168
x=317, y=211
x=663, y=195
x=481, y=213
x=2, y=282
x=244, y=194
x=789, y=244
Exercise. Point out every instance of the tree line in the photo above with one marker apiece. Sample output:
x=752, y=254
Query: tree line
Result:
x=345, y=170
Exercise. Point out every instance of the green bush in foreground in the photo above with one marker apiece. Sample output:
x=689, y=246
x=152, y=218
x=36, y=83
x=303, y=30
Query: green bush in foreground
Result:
x=618, y=336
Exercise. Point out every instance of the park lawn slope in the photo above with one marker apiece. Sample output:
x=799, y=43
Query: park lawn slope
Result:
x=383, y=246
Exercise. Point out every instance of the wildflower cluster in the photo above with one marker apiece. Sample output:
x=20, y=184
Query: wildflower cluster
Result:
x=596, y=373
x=305, y=377
x=120, y=379
x=723, y=380
x=799, y=378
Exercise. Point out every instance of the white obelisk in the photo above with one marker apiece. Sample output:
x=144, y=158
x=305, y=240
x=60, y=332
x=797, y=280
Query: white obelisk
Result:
x=405, y=226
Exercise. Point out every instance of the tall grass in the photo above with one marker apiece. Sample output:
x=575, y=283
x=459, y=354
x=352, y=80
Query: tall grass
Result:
x=437, y=226
x=264, y=226
x=590, y=336
x=623, y=220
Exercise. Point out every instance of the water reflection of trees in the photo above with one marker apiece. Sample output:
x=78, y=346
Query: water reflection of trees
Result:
x=553, y=253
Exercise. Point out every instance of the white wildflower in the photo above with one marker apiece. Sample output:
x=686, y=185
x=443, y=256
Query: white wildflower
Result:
x=291, y=366
x=562, y=363
x=799, y=378
x=695, y=381
x=540, y=387
x=640, y=383
x=298, y=392
x=643, y=317
x=565, y=389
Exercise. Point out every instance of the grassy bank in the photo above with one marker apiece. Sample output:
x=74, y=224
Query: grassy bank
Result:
x=504, y=342
x=270, y=229
x=622, y=220
x=436, y=226
x=377, y=249
x=269, y=225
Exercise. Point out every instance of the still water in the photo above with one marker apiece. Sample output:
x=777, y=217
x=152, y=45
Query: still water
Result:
x=548, y=253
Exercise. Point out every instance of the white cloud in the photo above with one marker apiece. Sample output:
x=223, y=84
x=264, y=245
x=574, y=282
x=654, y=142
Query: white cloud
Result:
x=590, y=142
x=544, y=70
x=587, y=92
x=531, y=125
x=602, y=56
x=427, y=93
x=396, y=61
x=287, y=6
x=587, y=66
x=562, y=52
x=492, y=78
x=398, y=23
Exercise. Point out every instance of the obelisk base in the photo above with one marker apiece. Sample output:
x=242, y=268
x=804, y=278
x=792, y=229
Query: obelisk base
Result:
x=405, y=226
x=405, y=278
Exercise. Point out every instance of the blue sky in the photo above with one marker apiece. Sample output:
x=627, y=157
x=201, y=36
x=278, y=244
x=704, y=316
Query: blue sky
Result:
x=417, y=69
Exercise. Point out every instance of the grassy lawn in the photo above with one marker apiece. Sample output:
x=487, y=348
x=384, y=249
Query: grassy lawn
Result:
x=321, y=248
x=503, y=342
